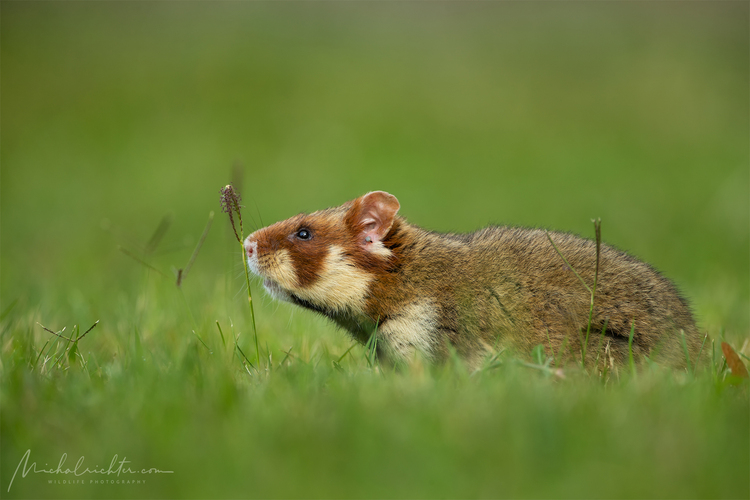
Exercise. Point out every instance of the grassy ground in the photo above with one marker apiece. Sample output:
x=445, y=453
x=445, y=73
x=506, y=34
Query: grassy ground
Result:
x=115, y=114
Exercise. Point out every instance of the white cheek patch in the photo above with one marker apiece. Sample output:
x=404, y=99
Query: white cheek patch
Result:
x=276, y=266
x=282, y=270
x=340, y=285
x=411, y=331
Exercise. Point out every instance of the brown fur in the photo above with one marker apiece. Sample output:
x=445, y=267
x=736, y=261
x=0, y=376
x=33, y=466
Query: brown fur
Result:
x=428, y=293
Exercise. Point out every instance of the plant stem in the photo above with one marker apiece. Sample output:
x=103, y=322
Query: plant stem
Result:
x=598, y=232
x=250, y=301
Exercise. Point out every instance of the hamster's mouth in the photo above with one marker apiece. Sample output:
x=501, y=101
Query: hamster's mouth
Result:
x=276, y=291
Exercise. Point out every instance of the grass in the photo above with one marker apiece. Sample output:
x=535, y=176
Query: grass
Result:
x=115, y=114
x=342, y=428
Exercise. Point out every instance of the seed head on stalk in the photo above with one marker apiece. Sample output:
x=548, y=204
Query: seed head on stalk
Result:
x=230, y=204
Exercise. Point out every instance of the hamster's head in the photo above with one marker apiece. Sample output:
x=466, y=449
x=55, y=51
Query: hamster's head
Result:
x=326, y=260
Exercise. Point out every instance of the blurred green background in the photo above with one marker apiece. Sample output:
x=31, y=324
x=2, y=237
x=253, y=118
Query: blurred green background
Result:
x=525, y=113
x=521, y=113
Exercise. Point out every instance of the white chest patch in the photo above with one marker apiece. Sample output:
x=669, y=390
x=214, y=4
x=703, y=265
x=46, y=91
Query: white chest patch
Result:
x=411, y=331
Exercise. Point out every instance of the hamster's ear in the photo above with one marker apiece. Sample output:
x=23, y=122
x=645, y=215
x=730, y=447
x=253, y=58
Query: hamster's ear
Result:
x=372, y=216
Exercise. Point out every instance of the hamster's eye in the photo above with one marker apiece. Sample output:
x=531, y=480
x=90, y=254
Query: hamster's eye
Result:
x=304, y=234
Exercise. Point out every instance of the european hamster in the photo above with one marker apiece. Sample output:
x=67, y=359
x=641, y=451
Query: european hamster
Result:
x=426, y=293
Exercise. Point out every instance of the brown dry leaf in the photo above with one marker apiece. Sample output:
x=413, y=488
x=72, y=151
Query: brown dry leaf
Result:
x=734, y=362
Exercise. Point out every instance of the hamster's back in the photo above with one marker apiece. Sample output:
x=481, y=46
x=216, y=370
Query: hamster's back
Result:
x=554, y=305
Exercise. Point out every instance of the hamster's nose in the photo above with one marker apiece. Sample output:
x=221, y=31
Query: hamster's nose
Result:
x=251, y=247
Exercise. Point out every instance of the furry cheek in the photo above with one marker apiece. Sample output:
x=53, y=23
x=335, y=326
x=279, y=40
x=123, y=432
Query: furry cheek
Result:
x=276, y=267
x=340, y=284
